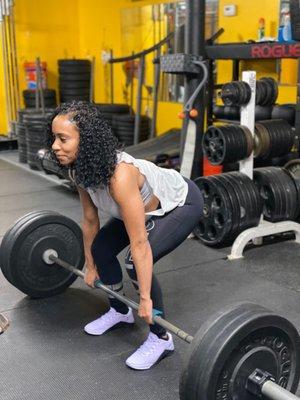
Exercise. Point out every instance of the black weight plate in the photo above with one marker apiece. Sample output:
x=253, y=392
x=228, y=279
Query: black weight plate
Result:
x=47, y=93
x=262, y=112
x=294, y=188
x=114, y=108
x=8, y=240
x=214, y=144
x=261, y=141
x=249, y=139
x=231, y=143
x=218, y=111
x=243, y=201
x=28, y=272
x=296, y=193
x=280, y=195
x=216, y=221
x=73, y=62
x=287, y=209
x=270, y=193
x=73, y=84
x=231, y=345
x=273, y=89
x=253, y=195
x=75, y=69
x=284, y=111
x=274, y=173
x=241, y=143
x=65, y=99
x=74, y=77
x=47, y=103
x=281, y=136
x=288, y=188
x=293, y=167
x=31, y=94
x=75, y=92
x=294, y=171
x=230, y=189
x=232, y=112
x=261, y=92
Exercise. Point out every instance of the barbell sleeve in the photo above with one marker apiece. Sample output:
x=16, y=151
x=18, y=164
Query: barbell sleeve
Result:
x=98, y=284
x=273, y=391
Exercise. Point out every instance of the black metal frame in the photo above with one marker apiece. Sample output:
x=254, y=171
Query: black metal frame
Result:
x=251, y=51
x=141, y=73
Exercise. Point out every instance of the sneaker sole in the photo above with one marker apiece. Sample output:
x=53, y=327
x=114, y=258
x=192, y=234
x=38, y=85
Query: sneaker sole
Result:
x=166, y=353
x=118, y=325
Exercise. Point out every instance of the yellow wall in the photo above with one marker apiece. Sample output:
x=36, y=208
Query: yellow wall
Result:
x=48, y=30
x=3, y=115
x=100, y=29
x=83, y=28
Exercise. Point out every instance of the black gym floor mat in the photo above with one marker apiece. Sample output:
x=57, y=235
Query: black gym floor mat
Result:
x=45, y=353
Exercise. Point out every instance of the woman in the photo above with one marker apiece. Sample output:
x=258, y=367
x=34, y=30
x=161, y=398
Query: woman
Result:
x=152, y=209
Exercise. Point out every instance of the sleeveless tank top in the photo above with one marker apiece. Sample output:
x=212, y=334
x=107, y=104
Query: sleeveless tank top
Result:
x=166, y=184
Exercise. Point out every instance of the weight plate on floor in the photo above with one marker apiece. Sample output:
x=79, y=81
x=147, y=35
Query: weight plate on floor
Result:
x=8, y=240
x=23, y=248
x=231, y=345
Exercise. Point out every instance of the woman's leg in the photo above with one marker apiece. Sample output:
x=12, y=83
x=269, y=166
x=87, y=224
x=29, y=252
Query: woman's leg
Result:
x=108, y=243
x=165, y=234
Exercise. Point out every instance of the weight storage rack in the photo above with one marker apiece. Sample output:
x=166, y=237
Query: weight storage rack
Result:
x=264, y=228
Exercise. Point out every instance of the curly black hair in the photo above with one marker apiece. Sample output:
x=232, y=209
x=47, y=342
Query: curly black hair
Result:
x=97, y=154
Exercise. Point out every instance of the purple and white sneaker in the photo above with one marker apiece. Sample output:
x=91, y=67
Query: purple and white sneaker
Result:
x=111, y=319
x=151, y=351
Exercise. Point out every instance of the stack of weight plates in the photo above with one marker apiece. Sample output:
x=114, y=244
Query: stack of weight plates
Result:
x=232, y=204
x=273, y=138
x=279, y=193
x=123, y=128
x=109, y=110
x=74, y=80
x=35, y=124
x=21, y=137
x=286, y=112
x=227, y=143
x=49, y=98
x=233, y=112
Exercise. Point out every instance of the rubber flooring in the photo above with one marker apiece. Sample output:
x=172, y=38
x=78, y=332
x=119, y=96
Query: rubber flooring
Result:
x=45, y=353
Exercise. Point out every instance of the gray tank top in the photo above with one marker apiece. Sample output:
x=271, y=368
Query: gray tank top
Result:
x=166, y=184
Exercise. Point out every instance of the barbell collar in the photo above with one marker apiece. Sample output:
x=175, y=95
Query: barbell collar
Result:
x=50, y=257
x=263, y=383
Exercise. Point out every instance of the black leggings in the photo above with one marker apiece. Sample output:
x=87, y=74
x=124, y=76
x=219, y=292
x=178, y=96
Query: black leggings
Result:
x=165, y=233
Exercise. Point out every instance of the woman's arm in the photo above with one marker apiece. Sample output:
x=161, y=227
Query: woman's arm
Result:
x=125, y=191
x=90, y=226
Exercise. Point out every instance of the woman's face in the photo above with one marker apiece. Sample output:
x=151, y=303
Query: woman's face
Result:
x=66, y=139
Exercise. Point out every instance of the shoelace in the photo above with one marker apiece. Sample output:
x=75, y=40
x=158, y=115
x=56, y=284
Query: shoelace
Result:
x=148, y=346
x=107, y=316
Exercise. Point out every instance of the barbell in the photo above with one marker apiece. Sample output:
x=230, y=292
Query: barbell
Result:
x=243, y=352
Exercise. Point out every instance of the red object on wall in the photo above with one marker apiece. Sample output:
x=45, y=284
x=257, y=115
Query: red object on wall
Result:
x=30, y=74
